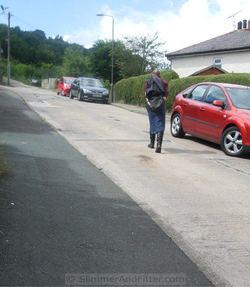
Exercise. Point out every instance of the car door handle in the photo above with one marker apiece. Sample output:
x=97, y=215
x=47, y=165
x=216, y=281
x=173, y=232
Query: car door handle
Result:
x=185, y=104
x=202, y=109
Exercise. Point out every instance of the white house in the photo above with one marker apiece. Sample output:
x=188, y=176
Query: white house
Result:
x=229, y=53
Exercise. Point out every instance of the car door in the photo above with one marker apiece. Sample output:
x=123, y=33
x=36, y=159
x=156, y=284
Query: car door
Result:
x=211, y=118
x=190, y=106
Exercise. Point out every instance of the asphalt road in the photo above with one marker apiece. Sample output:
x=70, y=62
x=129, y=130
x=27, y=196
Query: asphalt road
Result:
x=60, y=215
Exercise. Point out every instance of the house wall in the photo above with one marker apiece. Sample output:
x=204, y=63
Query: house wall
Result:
x=237, y=62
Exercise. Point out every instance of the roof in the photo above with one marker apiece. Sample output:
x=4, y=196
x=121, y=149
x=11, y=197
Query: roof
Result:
x=208, y=68
x=236, y=40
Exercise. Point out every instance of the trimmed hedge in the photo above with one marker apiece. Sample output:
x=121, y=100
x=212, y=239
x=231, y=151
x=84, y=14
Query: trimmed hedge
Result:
x=131, y=90
x=176, y=86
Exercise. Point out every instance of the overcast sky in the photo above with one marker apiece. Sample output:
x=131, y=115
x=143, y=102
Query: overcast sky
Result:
x=179, y=23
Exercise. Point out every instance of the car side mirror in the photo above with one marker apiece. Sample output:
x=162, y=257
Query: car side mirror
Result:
x=219, y=103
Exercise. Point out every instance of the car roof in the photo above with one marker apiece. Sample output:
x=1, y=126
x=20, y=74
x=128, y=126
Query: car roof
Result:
x=87, y=78
x=226, y=85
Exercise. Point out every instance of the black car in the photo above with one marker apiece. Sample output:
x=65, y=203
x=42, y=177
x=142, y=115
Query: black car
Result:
x=89, y=89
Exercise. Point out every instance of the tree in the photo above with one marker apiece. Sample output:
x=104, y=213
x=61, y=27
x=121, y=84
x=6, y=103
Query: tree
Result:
x=75, y=61
x=147, y=47
x=100, y=60
x=124, y=61
x=127, y=63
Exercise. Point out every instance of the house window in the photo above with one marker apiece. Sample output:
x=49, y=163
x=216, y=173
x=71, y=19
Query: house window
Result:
x=217, y=62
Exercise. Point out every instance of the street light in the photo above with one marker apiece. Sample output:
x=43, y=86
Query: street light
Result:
x=112, y=55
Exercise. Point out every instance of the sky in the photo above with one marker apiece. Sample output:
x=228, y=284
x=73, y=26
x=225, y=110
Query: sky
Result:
x=179, y=23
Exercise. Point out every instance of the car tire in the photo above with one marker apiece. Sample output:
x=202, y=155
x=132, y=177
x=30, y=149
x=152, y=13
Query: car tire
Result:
x=105, y=101
x=70, y=95
x=231, y=142
x=176, y=126
x=80, y=96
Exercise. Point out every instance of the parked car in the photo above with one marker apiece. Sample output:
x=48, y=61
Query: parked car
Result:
x=89, y=89
x=216, y=112
x=64, y=85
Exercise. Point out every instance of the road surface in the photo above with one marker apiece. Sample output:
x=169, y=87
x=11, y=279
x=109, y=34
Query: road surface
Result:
x=196, y=194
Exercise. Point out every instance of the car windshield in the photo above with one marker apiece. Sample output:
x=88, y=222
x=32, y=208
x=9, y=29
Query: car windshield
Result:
x=68, y=81
x=91, y=83
x=240, y=97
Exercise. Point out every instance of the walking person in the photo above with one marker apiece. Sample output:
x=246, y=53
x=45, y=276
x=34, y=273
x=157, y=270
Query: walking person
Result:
x=156, y=92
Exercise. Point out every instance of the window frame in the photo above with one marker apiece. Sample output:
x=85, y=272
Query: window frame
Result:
x=190, y=96
x=217, y=64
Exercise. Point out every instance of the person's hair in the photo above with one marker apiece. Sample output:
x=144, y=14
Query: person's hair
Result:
x=156, y=72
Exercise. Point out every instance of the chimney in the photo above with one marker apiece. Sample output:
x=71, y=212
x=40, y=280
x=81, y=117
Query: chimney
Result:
x=244, y=24
x=239, y=25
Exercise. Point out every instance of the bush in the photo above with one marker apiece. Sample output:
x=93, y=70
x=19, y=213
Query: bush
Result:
x=131, y=90
x=177, y=85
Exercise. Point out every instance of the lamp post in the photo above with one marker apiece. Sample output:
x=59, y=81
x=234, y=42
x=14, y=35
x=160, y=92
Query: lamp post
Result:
x=112, y=55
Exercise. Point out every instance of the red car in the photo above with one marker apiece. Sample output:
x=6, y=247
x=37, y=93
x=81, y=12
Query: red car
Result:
x=216, y=112
x=64, y=85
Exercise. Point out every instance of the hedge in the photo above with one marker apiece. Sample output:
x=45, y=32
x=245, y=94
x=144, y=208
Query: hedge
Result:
x=131, y=90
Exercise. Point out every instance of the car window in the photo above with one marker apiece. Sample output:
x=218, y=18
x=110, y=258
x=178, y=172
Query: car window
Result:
x=198, y=92
x=240, y=97
x=68, y=81
x=215, y=93
x=187, y=92
x=89, y=82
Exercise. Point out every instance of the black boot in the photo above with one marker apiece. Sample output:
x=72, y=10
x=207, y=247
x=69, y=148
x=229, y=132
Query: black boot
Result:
x=159, y=142
x=152, y=141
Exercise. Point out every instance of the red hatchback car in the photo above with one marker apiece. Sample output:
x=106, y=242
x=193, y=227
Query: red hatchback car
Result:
x=216, y=112
x=64, y=85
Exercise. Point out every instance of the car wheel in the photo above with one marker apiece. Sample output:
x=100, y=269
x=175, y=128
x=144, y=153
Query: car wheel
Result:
x=62, y=93
x=231, y=142
x=105, y=101
x=79, y=96
x=82, y=96
x=176, y=126
x=70, y=95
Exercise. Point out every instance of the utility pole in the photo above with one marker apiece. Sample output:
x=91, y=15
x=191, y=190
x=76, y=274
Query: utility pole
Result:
x=8, y=59
x=8, y=42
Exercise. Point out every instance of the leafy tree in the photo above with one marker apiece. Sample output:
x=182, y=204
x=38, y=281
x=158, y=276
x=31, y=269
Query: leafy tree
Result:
x=75, y=61
x=35, y=55
x=100, y=59
x=147, y=47
x=127, y=63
